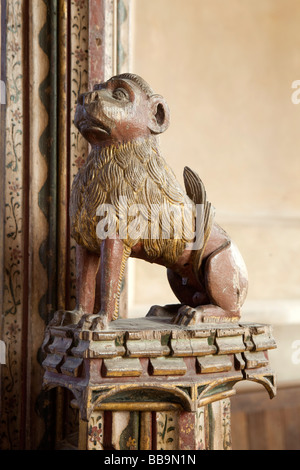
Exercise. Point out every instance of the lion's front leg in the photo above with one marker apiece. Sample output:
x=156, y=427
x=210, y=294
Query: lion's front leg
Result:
x=87, y=265
x=114, y=255
x=189, y=316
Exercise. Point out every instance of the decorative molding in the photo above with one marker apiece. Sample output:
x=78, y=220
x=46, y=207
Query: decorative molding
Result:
x=79, y=44
x=12, y=314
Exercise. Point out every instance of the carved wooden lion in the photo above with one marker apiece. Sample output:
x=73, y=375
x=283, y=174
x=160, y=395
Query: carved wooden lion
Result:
x=126, y=201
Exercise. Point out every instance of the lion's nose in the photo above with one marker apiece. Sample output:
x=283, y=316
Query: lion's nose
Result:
x=90, y=97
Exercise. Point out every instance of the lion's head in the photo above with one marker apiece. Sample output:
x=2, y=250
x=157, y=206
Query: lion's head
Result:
x=122, y=109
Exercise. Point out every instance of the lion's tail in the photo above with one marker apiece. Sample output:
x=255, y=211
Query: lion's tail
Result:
x=196, y=191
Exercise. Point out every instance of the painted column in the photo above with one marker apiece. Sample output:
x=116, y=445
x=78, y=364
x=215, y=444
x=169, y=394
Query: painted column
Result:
x=14, y=261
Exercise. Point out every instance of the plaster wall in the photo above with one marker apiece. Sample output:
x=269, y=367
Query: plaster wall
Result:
x=226, y=70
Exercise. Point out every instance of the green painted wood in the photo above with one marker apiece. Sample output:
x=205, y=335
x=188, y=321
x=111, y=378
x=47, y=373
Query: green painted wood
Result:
x=129, y=438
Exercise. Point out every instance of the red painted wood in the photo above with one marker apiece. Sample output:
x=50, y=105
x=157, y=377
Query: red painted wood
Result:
x=187, y=430
x=96, y=41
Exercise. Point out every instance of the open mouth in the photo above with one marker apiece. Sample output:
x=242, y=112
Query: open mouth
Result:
x=88, y=123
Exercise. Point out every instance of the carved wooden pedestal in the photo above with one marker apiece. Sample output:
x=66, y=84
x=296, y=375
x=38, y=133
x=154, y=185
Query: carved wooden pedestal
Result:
x=149, y=385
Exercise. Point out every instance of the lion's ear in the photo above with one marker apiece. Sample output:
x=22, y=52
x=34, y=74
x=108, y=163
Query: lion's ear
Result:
x=159, y=118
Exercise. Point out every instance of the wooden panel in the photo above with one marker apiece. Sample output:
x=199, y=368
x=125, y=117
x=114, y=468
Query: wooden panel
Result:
x=39, y=162
x=123, y=36
x=145, y=430
x=13, y=317
x=101, y=41
x=79, y=13
x=128, y=439
x=275, y=432
x=200, y=429
x=2, y=138
x=62, y=193
x=219, y=425
x=95, y=431
x=120, y=422
x=257, y=432
x=96, y=41
x=259, y=423
x=239, y=429
x=62, y=183
x=291, y=425
x=187, y=431
x=167, y=430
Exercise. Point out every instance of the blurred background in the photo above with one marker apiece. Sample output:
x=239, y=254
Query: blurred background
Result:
x=226, y=70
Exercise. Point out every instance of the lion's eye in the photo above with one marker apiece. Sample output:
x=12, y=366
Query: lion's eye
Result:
x=121, y=94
